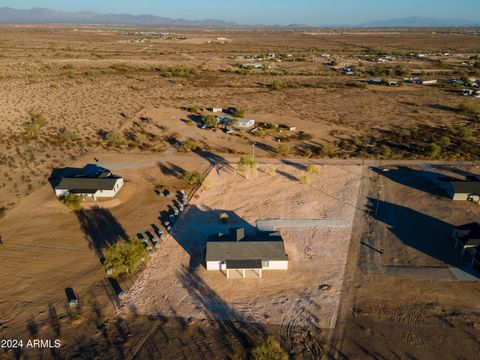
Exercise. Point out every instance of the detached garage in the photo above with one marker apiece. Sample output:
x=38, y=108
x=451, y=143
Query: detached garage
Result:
x=240, y=257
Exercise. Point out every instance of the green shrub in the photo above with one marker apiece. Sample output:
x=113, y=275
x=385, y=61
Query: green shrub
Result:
x=303, y=179
x=210, y=120
x=312, y=169
x=247, y=164
x=470, y=107
x=278, y=85
x=193, y=109
x=433, y=150
x=188, y=145
x=386, y=151
x=35, y=124
x=445, y=141
x=193, y=178
x=125, y=257
x=73, y=201
x=270, y=170
x=269, y=349
x=308, y=153
x=239, y=112
x=283, y=150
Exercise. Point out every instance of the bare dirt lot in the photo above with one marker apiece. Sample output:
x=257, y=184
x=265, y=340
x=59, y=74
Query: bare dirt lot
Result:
x=177, y=283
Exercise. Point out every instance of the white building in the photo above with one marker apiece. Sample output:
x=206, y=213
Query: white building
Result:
x=245, y=123
x=99, y=184
x=240, y=257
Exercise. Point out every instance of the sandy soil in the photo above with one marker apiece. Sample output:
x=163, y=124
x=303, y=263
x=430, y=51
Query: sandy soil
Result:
x=176, y=282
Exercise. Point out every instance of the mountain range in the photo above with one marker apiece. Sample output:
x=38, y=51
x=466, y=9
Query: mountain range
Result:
x=47, y=16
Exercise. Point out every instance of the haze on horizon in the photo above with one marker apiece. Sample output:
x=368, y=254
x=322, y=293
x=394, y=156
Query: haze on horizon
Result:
x=271, y=12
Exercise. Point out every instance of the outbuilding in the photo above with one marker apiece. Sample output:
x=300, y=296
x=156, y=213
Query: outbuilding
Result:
x=245, y=123
x=465, y=190
x=238, y=256
x=467, y=236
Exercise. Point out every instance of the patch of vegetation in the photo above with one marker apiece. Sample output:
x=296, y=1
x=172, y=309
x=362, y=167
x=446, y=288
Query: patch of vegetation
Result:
x=433, y=151
x=270, y=170
x=239, y=112
x=283, y=150
x=210, y=120
x=114, y=139
x=73, y=201
x=193, y=109
x=303, y=179
x=125, y=257
x=33, y=127
x=188, y=145
x=312, y=169
x=247, y=164
x=193, y=178
x=278, y=85
x=269, y=349
x=470, y=107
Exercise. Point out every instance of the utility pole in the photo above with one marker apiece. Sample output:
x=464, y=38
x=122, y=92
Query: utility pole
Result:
x=253, y=151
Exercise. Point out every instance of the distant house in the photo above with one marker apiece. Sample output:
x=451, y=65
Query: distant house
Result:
x=287, y=127
x=215, y=109
x=429, y=82
x=252, y=66
x=245, y=123
x=94, y=182
x=467, y=236
x=468, y=190
x=239, y=256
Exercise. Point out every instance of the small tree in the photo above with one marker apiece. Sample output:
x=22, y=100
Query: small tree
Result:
x=308, y=153
x=445, y=141
x=386, y=151
x=232, y=122
x=470, y=107
x=433, y=150
x=247, y=164
x=270, y=170
x=210, y=120
x=125, y=257
x=283, y=150
x=303, y=180
x=311, y=169
x=73, y=201
x=269, y=349
x=193, y=178
x=224, y=218
x=189, y=145
x=193, y=109
x=239, y=112
x=278, y=85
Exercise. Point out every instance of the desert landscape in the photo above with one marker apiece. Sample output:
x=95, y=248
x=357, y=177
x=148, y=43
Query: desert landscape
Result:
x=338, y=135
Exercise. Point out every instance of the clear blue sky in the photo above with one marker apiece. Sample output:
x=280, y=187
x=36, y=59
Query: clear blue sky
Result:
x=311, y=12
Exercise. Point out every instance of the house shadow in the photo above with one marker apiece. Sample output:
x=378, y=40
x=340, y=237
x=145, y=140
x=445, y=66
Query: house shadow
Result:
x=101, y=228
x=422, y=232
x=217, y=309
x=422, y=180
x=197, y=226
x=296, y=165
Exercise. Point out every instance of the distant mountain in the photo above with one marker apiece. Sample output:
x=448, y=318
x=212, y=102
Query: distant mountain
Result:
x=48, y=16
x=415, y=21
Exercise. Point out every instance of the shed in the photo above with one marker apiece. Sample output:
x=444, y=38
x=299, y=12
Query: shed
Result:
x=245, y=123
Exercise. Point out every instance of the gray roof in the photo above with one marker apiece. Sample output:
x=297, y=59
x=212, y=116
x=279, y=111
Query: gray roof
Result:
x=466, y=187
x=87, y=184
x=245, y=250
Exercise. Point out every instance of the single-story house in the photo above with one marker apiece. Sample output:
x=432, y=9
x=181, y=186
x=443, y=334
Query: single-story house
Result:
x=239, y=256
x=100, y=184
x=215, y=109
x=245, y=123
x=467, y=236
x=429, y=82
x=465, y=190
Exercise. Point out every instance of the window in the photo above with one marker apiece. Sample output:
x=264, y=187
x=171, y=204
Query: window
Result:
x=264, y=263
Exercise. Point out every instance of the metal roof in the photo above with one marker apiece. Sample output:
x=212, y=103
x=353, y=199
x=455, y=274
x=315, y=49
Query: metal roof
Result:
x=80, y=184
x=470, y=234
x=246, y=250
x=466, y=187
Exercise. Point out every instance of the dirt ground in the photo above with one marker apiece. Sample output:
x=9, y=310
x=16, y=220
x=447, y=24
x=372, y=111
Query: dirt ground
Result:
x=177, y=283
x=400, y=284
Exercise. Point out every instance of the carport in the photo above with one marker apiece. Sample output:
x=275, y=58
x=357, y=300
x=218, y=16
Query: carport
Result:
x=243, y=268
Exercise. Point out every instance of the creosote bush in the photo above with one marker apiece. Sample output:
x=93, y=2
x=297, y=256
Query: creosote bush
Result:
x=125, y=257
x=269, y=349
x=193, y=178
x=73, y=201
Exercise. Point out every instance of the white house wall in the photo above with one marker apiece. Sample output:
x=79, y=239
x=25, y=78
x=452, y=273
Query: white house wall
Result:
x=277, y=265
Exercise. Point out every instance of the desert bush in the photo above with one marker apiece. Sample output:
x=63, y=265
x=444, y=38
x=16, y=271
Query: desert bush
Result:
x=283, y=150
x=327, y=150
x=433, y=150
x=210, y=120
x=386, y=151
x=193, y=178
x=33, y=127
x=125, y=257
x=247, y=164
x=470, y=107
x=312, y=169
x=278, y=85
x=193, y=109
x=269, y=349
x=239, y=112
x=303, y=179
x=308, y=153
x=114, y=139
x=73, y=201
x=270, y=170
x=445, y=141
x=188, y=145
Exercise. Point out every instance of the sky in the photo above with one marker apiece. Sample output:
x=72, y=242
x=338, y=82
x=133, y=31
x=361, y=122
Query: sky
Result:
x=271, y=12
